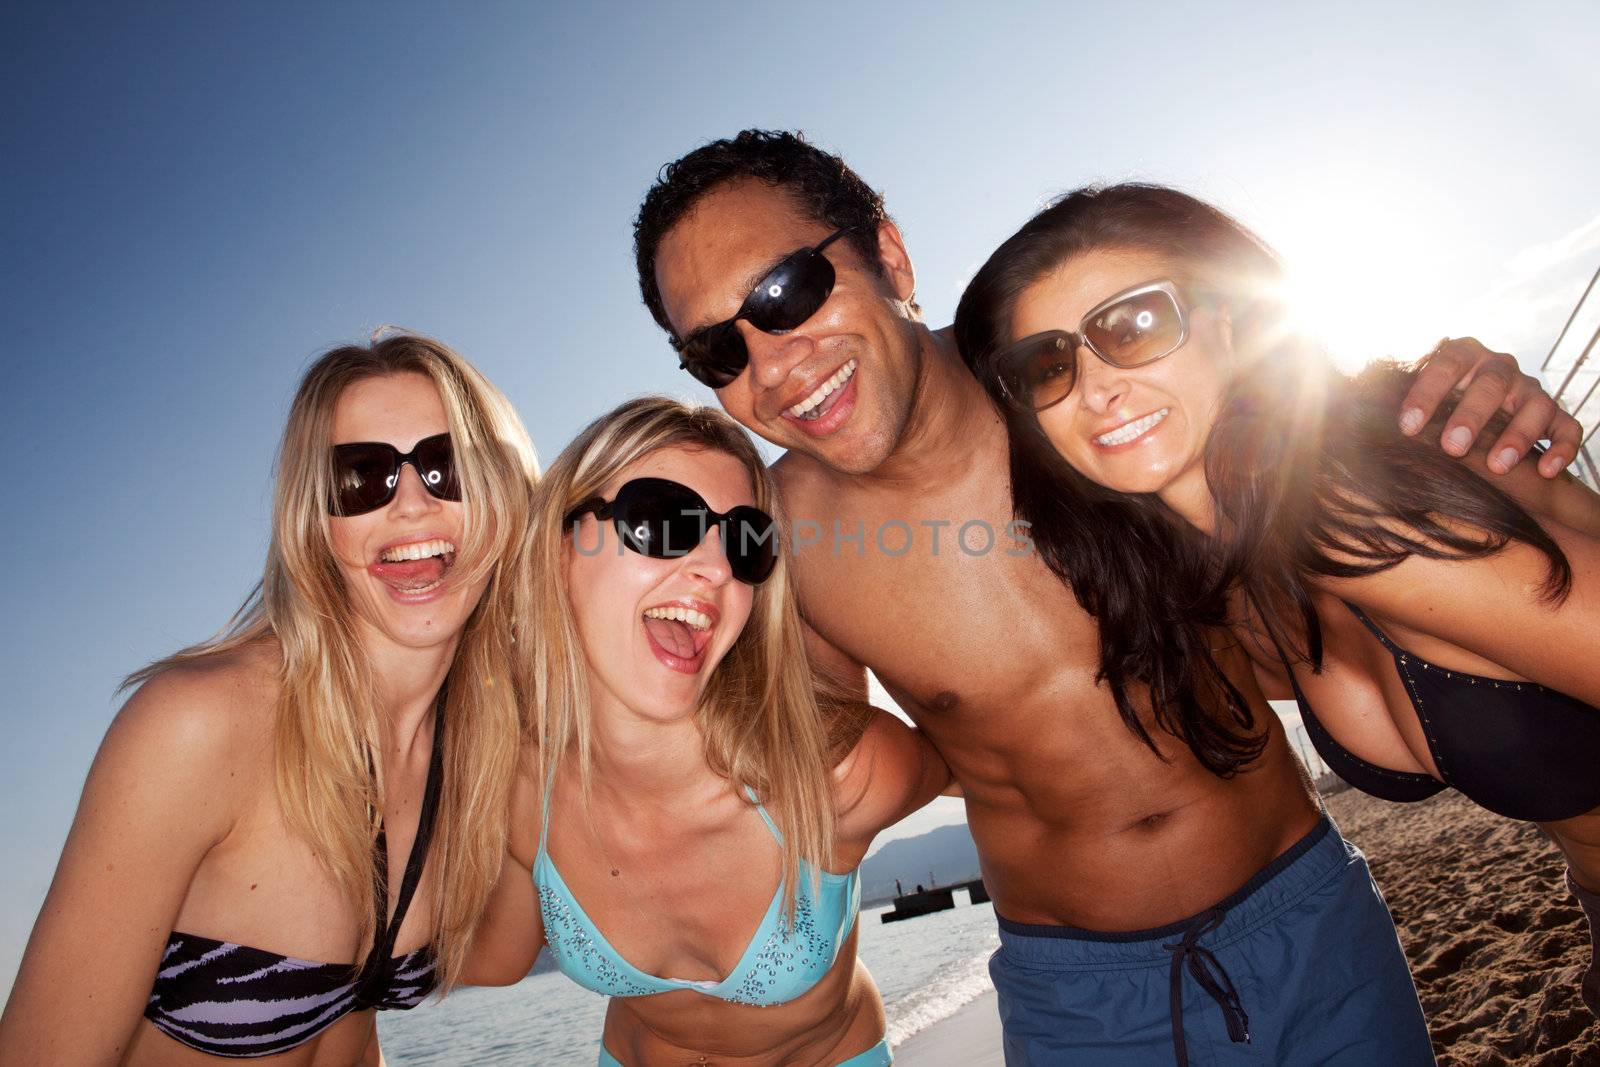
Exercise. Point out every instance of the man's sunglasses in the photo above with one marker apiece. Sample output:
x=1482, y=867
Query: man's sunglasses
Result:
x=366, y=474
x=1132, y=328
x=786, y=296
x=665, y=520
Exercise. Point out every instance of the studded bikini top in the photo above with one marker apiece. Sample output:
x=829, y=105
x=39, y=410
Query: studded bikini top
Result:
x=781, y=962
x=1517, y=748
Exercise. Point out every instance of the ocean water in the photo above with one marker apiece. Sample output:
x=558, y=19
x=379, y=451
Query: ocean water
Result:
x=927, y=968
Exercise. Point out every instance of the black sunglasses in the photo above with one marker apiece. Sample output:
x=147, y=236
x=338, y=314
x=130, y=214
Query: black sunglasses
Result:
x=1129, y=329
x=665, y=520
x=786, y=296
x=367, y=473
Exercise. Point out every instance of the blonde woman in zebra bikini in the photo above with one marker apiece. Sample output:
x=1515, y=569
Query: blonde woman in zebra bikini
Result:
x=301, y=821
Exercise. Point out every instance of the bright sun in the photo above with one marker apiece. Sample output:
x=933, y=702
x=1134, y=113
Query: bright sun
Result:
x=1367, y=281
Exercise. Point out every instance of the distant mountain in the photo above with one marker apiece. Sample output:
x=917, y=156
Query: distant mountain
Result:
x=946, y=853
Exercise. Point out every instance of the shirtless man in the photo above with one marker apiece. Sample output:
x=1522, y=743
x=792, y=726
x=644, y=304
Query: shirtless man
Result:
x=1147, y=906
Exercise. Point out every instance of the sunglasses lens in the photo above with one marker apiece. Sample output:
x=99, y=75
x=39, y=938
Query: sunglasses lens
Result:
x=1138, y=330
x=791, y=293
x=364, y=477
x=659, y=518
x=716, y=356
x=750, y=539
x=365, y=474
x=436, y=465
x=665, y=520
x=1045, y=371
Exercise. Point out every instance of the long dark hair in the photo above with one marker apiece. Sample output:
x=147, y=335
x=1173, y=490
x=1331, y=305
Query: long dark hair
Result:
x=1310, y=473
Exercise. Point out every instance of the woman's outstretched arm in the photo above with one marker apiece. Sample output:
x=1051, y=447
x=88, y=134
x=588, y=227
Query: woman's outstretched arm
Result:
x=1492, y=607
x=160, y=795
x=885, y=769
x=508, y=939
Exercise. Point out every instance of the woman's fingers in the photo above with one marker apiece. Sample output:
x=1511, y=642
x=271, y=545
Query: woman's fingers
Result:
x=1535, y=417
x=1490, y=382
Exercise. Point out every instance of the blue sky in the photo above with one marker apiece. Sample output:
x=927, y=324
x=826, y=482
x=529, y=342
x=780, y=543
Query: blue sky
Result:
x=200, y=198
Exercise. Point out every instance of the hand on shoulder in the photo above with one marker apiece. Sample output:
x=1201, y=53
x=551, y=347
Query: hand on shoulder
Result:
x=1490, y=382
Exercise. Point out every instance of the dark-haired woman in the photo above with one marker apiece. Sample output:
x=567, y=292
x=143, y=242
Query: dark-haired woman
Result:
x=1440, y=630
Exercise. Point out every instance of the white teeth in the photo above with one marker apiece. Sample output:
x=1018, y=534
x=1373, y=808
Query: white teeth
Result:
x=1129, y=430
x=842, y=375
x=697, y=619
x=416, y=550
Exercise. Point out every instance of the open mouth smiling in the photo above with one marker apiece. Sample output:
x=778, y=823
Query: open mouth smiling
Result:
x=817, y=404
x=678, y=633
x=414, y=568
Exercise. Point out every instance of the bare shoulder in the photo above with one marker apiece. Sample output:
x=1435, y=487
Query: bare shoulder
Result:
x=892, y=771
x=872, y=729
x=165, y=788
x=213, y=716
x=802, y=483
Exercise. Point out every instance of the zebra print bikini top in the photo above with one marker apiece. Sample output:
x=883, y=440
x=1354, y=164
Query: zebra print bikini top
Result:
x=234, y=1000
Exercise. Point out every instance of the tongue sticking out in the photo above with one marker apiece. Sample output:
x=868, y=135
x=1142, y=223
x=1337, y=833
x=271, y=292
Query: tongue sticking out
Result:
x=412, y=574
x=674, y=636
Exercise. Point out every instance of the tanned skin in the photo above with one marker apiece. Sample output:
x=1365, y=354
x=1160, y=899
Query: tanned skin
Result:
x=1076, y=820
x=668, y=860
x=181, y=828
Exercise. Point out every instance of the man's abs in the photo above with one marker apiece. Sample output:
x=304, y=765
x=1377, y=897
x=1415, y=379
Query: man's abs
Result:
x=1128, y=842
x=1077, y=821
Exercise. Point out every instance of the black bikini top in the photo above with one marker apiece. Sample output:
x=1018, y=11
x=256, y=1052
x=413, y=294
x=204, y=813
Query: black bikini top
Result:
x=1519, y=749
x=234, y=1000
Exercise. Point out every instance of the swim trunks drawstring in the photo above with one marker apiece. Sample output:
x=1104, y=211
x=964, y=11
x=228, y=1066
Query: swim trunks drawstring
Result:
x=1219, y=985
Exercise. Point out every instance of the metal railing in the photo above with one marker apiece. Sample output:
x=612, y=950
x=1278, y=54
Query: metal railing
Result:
x=1576, y=367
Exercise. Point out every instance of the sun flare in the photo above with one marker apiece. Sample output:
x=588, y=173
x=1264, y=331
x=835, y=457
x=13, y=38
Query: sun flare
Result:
x=1368, y=282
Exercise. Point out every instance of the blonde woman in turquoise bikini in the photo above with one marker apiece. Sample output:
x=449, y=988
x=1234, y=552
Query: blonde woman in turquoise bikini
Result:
x=688, y=826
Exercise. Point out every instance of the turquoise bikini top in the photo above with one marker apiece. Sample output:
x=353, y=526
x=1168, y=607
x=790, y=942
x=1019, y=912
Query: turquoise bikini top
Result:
x=779, y=964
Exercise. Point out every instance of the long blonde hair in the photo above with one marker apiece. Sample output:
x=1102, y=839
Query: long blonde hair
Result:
x=758, y=714
x=327, y=721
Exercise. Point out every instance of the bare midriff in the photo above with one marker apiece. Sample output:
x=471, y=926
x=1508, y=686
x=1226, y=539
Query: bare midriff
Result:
x=835, y=1019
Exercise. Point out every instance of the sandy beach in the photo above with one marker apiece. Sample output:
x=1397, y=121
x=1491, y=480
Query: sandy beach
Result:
x=1495, y=941
x=970, y=1037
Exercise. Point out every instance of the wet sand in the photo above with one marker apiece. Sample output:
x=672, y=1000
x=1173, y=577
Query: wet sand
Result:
x=969, y=1038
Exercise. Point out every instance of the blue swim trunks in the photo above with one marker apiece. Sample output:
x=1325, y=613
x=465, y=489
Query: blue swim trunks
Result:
x=1300, y=966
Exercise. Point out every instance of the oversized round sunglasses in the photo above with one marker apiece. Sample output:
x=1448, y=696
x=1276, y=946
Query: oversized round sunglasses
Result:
x=367, y=473
x=663, y=519
x=1132, y=328
x=784, y=298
